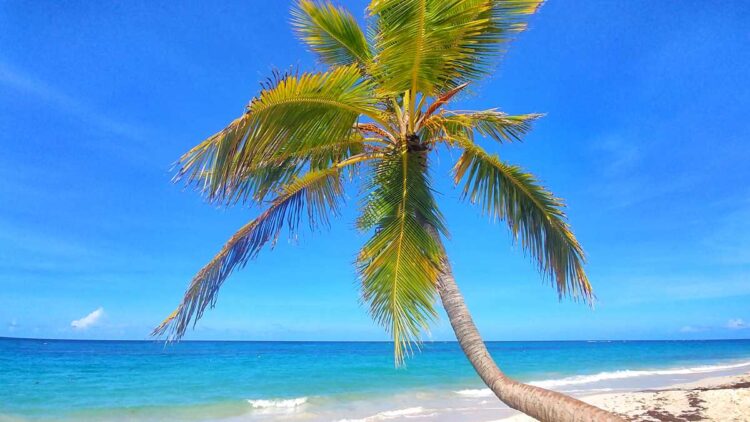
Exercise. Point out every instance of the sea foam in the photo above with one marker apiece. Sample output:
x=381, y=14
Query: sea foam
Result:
x=278, y=404
x=410, y=412
x=475, y=393
x=607, y=376
x=624, y=374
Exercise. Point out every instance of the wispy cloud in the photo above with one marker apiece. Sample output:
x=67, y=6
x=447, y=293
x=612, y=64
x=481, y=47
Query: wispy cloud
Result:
x=656, y=288
x=621, y=159
x=737, y=324
x=731, y=324
x=729, y=239
x=89, y=320
x=13, y=325
x=65, y=103
x=618, y=155
x=692, y=329
x=38, y=243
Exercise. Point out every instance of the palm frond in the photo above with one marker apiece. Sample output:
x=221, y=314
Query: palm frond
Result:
x=332, y=33
x=533, y=214
x=431, y=46
x=298, y=112
x=317, y=192
x=399, y=265
x=261, y=179
x=499, y=126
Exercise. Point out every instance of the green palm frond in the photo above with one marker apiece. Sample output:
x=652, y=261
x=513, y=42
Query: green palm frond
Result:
x=399, y=265
x=499, y=126
x=201, y=165
x=382, y=101
x=533, y=214
x=259, y=180
x=311, y=109
x=298, y=112
x=431, y=46
x=317, y=192
x=332, y=33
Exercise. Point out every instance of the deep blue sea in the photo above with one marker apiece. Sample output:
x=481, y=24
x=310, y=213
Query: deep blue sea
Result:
x=143, y=380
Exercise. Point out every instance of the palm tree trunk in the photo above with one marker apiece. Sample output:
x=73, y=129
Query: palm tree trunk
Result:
x=544, y=405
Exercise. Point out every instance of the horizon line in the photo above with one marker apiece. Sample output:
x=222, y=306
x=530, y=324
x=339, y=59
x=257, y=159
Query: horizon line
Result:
x=362, y=341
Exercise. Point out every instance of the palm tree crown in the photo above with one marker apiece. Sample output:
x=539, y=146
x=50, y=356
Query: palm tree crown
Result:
x=378, y=114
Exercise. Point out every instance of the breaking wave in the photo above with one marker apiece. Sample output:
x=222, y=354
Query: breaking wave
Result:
x=607, y=376
x=278, y=404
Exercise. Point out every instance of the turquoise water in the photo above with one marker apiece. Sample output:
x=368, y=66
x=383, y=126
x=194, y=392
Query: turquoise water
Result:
x=129, y=380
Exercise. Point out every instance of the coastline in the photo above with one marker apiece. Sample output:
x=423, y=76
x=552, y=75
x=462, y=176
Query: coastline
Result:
x=725, y=398
x=714, y=393
x=328, y=381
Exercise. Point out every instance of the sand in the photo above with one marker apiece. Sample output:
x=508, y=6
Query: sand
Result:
x=711, y=399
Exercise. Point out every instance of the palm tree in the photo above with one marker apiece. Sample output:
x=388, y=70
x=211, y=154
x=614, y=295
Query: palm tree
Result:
x=377, y=115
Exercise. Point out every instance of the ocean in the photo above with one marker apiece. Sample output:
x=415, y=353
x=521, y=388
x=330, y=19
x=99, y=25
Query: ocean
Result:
x=323, y=381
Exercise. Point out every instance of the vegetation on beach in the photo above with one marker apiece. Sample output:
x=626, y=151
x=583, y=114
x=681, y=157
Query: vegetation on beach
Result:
x=377, y=116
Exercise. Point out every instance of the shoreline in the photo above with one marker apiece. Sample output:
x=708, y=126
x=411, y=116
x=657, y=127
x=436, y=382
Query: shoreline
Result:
x=724, y=398
x=352, y=382
x=667, y=402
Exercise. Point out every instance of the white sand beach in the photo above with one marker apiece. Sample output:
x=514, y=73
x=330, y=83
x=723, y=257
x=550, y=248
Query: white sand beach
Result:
x=711, y=399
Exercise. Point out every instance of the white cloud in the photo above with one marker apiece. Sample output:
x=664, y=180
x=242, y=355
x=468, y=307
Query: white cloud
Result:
x=89, y=320
x=737, y=324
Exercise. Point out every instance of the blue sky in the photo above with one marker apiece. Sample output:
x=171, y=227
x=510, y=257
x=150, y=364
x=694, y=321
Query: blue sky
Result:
x=645, y=137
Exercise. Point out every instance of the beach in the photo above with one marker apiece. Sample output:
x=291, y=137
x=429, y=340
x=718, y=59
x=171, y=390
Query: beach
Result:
x=710, y=399
x=232, y=381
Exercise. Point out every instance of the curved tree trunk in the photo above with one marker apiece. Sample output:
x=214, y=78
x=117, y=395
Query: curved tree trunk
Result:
x=544, y=405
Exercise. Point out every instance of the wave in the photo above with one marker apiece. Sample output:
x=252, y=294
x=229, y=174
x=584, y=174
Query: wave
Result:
x=475, y=393
x=278, y=404
x=627, y=373
x=409, y=412
x=608, y=376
